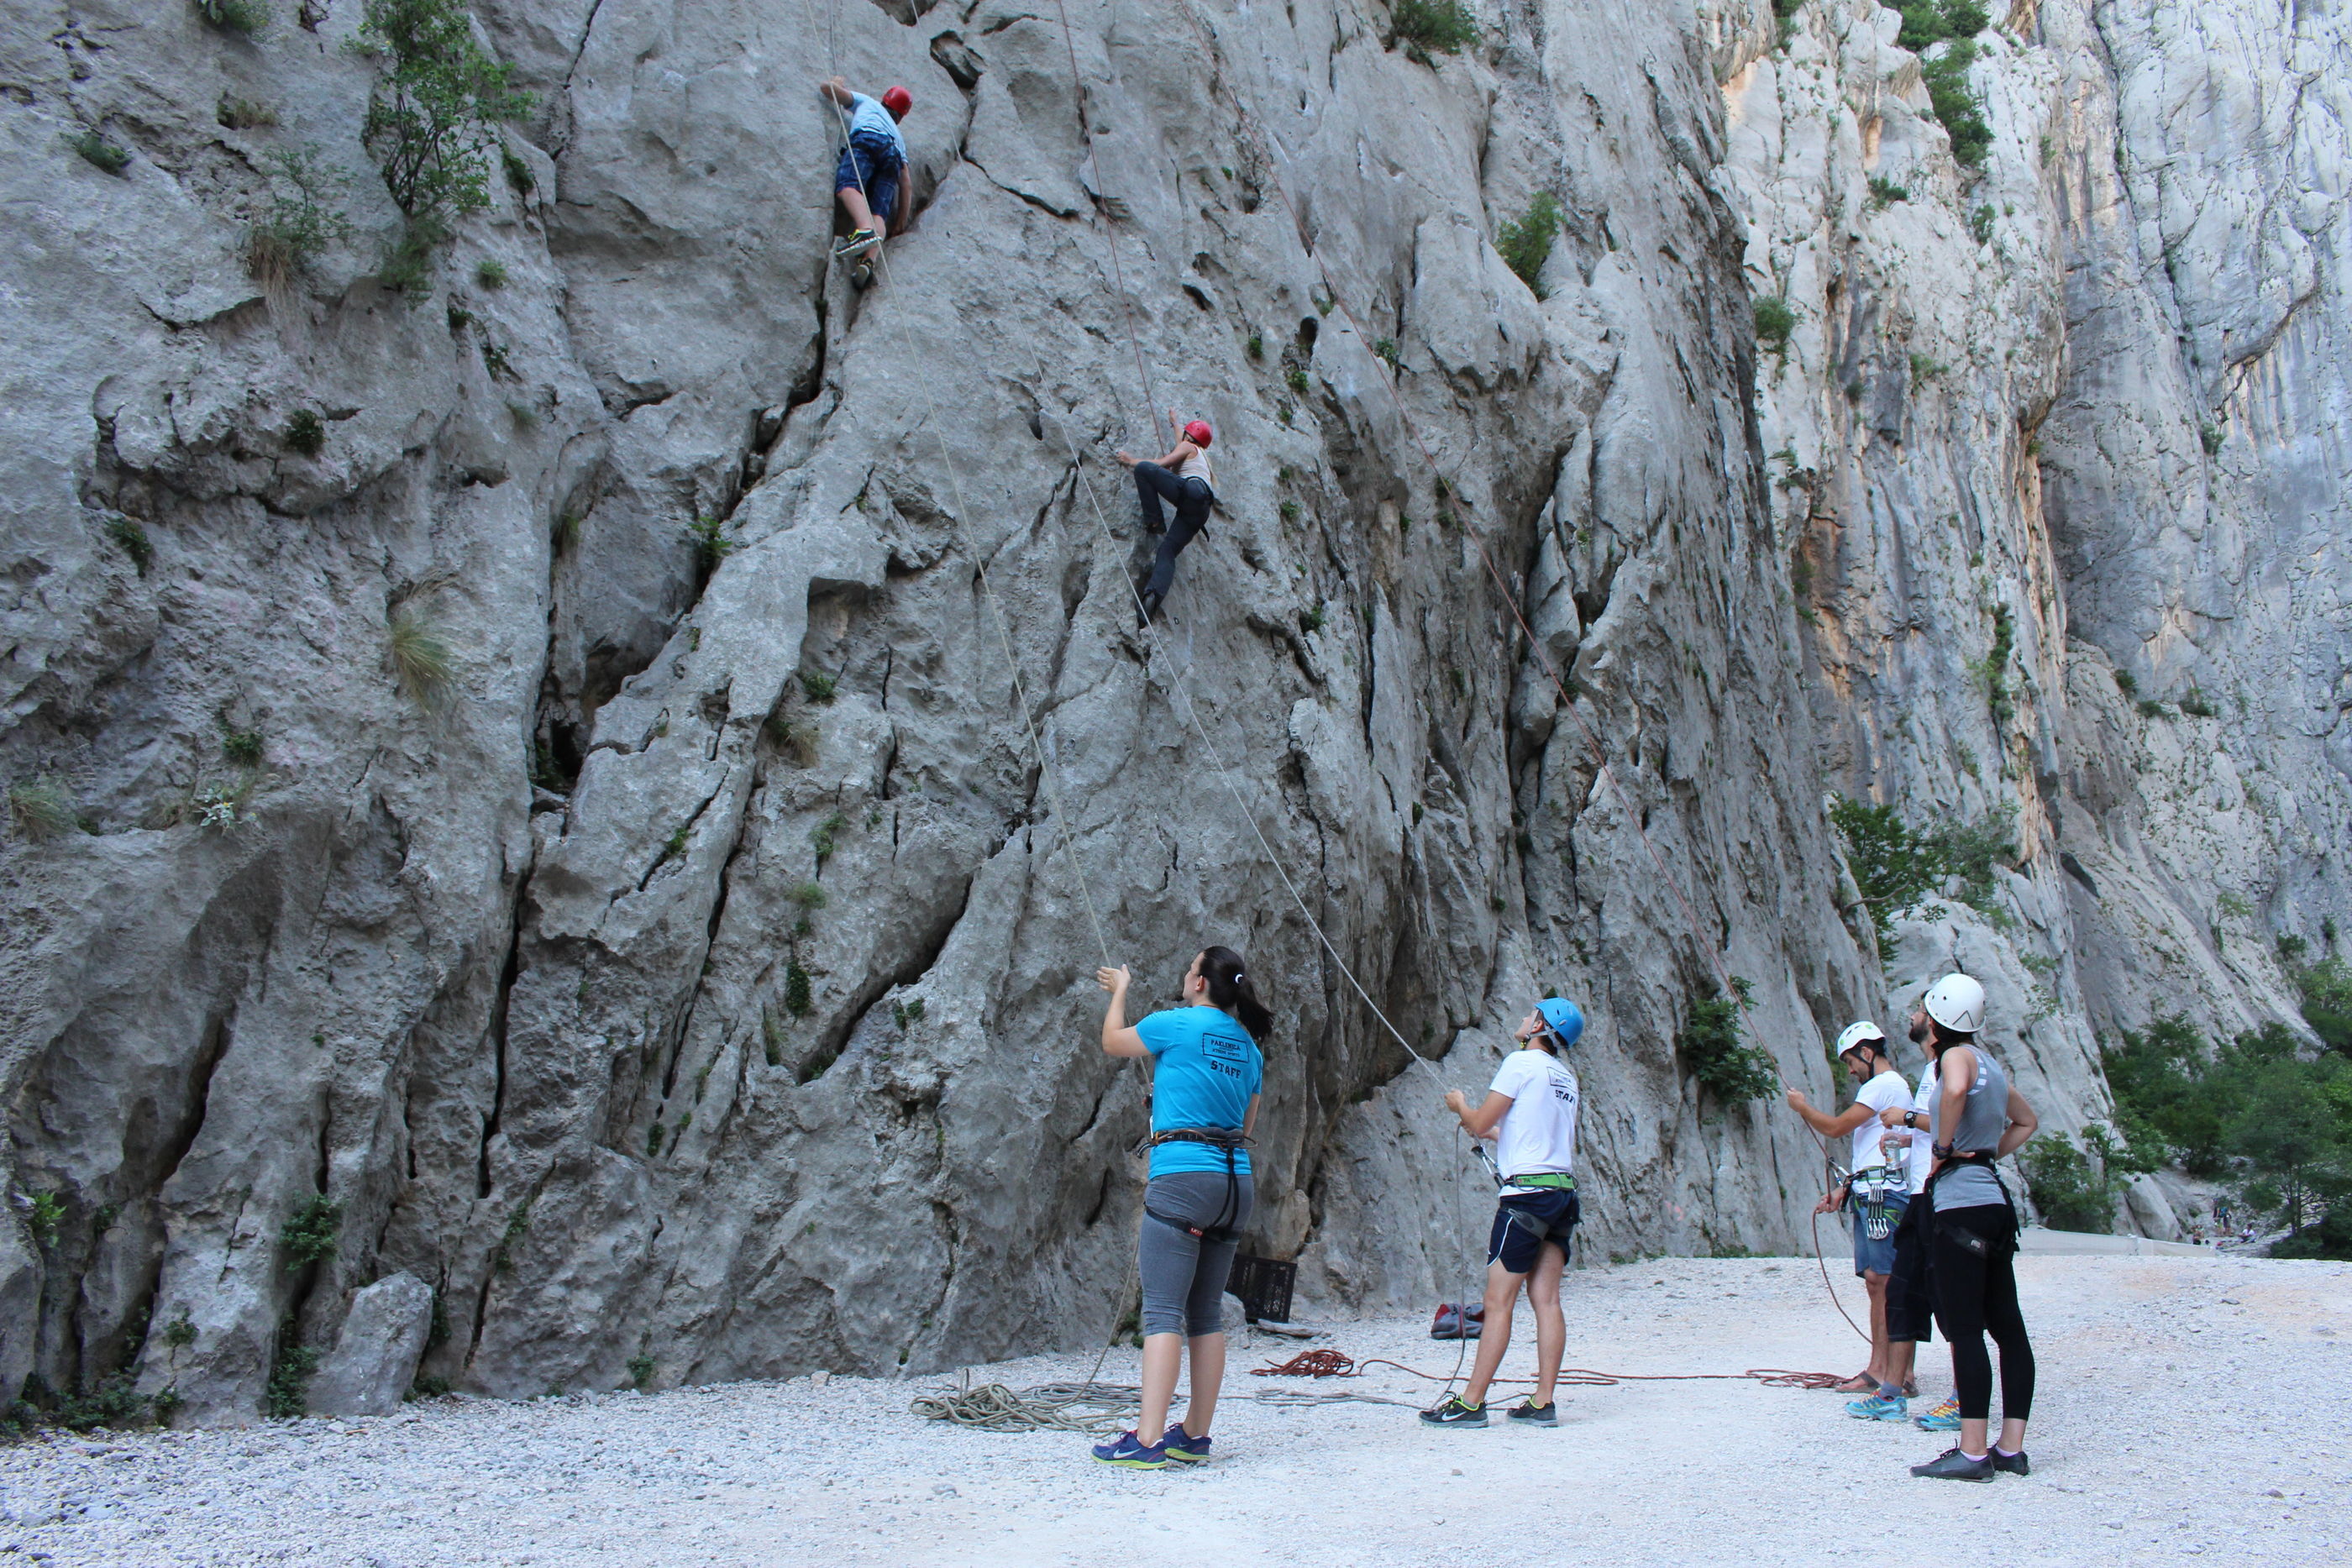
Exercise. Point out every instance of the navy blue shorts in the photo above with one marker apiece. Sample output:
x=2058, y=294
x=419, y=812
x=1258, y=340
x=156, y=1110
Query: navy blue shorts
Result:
x=1513, y=1243
x=872, y=166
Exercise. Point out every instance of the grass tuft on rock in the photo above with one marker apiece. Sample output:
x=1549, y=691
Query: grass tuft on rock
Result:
x=39, y=811
x=99, y=152
x=422, y=659
x=1774, y=321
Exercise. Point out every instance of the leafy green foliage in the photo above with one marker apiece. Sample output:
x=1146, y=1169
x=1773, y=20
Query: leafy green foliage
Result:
x=310, y=1234
x=99, y=151
x=1981, y=223
x=1526, y=242
x=130, y=537
x=41, y=810
x=1898, y=868
x=1311, y=619
x=113, y=1405
x=428, y=124
x=1956, y=104
x=641, y=1371
x=1296, y=377
x=48, y=1211
x=2327, y=988
x=243, y=113
x=1256, y=346
x=490, y=274
x=807, y=894
x=518, y=1226
x=797, y=999
x=518, y=175
x=2197, y=705
x=248, y=17
x=708, y=534
x=1927, y=22
x=819, y=686
x=287, y=1395
x=2073, y=1193
x=1774, y=321
x=242, y=746
x=907, y=1012
x=1709, y=1044
x=821, y=837
x=2255, y=1110
x=1991, y=671
x=303, y=219
x=1426, y=26
x=306, y=432
x=1885, y=193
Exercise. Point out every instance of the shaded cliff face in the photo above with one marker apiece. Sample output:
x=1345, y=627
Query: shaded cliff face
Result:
x=704, y=975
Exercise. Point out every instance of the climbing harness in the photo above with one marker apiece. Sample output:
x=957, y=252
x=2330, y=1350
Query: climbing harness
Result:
x=1231, y=1140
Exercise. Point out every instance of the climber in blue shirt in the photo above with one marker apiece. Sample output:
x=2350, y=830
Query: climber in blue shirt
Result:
x=871, y=178
x=1198, y=1200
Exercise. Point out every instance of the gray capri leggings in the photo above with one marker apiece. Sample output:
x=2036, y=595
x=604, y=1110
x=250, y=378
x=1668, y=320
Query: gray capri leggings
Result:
x=1184, y=1276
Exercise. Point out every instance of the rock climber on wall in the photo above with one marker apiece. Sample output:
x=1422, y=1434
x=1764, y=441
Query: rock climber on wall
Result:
x=871, y=180
x=1184, y=477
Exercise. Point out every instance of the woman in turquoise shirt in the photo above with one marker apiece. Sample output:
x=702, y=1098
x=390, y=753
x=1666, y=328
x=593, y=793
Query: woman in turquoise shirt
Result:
x=1198, y=1200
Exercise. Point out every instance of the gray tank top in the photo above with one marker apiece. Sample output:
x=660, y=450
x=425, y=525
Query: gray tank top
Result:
x=1984, y=1117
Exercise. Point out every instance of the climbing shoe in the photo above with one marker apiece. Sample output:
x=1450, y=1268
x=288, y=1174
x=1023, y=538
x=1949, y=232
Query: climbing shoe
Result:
x=2009, y=1464
x=1952, y=1465
x=1150, y=608
x=1128, y=1451
x=856, y=245
x=1182, y=1445
x=1451, y=1412
x=1878, y=1407
x=1539, y=1415
x=1944, y=1417
x=861, y=276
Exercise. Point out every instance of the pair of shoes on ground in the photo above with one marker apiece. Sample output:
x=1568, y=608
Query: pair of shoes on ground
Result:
x=1451, y=1411
x=1952, y=1465
x=1131, y=1452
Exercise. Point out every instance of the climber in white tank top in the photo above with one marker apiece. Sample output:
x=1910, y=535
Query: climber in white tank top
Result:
x=1185, y=477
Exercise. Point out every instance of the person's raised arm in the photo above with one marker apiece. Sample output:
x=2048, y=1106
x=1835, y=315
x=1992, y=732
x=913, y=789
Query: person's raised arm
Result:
x=2023, y=1122
x=1827, y=1125
x=1482, y=1122
x=1117, y=1039
x=837, y=89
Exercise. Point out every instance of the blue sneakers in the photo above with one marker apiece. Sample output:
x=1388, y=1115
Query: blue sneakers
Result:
x=1879, y=1407
x=1181, y=1445
x=1130, y=1451
x=1944, y=1417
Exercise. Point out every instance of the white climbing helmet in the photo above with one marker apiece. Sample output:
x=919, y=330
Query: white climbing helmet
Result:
x=1958, y=1002
x=1858, y=1035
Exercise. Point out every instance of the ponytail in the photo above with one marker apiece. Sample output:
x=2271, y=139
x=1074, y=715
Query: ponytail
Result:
x=1230, y=988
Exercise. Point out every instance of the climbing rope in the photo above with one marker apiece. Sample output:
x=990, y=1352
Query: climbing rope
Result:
x=1334, y=1363
x=1100, y=1409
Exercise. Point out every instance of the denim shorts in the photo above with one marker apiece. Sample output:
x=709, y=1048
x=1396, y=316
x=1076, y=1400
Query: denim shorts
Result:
x=874, y=167
x=1875, y=1257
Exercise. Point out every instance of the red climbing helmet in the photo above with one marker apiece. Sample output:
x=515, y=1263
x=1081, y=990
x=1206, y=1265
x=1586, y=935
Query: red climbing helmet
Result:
x=1199, y=434
x=897, y=100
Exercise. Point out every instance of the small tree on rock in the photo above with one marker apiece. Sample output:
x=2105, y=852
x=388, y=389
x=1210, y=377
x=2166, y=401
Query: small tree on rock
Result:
x=429, y=123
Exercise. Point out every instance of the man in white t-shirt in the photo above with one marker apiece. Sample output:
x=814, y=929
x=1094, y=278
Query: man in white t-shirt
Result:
x=1530, y=1113
x=1876, y=1193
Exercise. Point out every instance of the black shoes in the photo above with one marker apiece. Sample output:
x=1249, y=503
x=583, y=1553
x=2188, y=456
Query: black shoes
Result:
x=1451, y=1412
x=2010, y=1464
x=1150, y=609
x=1952, y=1465
x=1538, y=1414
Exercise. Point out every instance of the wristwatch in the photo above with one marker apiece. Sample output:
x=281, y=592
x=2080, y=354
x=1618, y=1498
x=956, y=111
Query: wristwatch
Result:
x=1908, y=1118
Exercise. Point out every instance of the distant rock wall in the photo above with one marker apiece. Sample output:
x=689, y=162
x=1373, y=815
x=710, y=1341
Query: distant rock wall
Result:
x=702, y=973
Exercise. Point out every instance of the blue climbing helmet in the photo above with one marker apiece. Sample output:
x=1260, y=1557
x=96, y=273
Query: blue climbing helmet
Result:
x=1563, y=1018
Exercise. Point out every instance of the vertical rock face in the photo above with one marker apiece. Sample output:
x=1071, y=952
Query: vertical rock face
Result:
x=615, y=762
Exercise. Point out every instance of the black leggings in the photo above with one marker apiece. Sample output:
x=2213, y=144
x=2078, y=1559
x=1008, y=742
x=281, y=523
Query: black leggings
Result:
x=1976, y=1295
x=1192, y=498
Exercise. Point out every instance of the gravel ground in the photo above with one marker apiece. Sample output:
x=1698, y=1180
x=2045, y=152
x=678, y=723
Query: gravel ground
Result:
x=2189, y=1408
